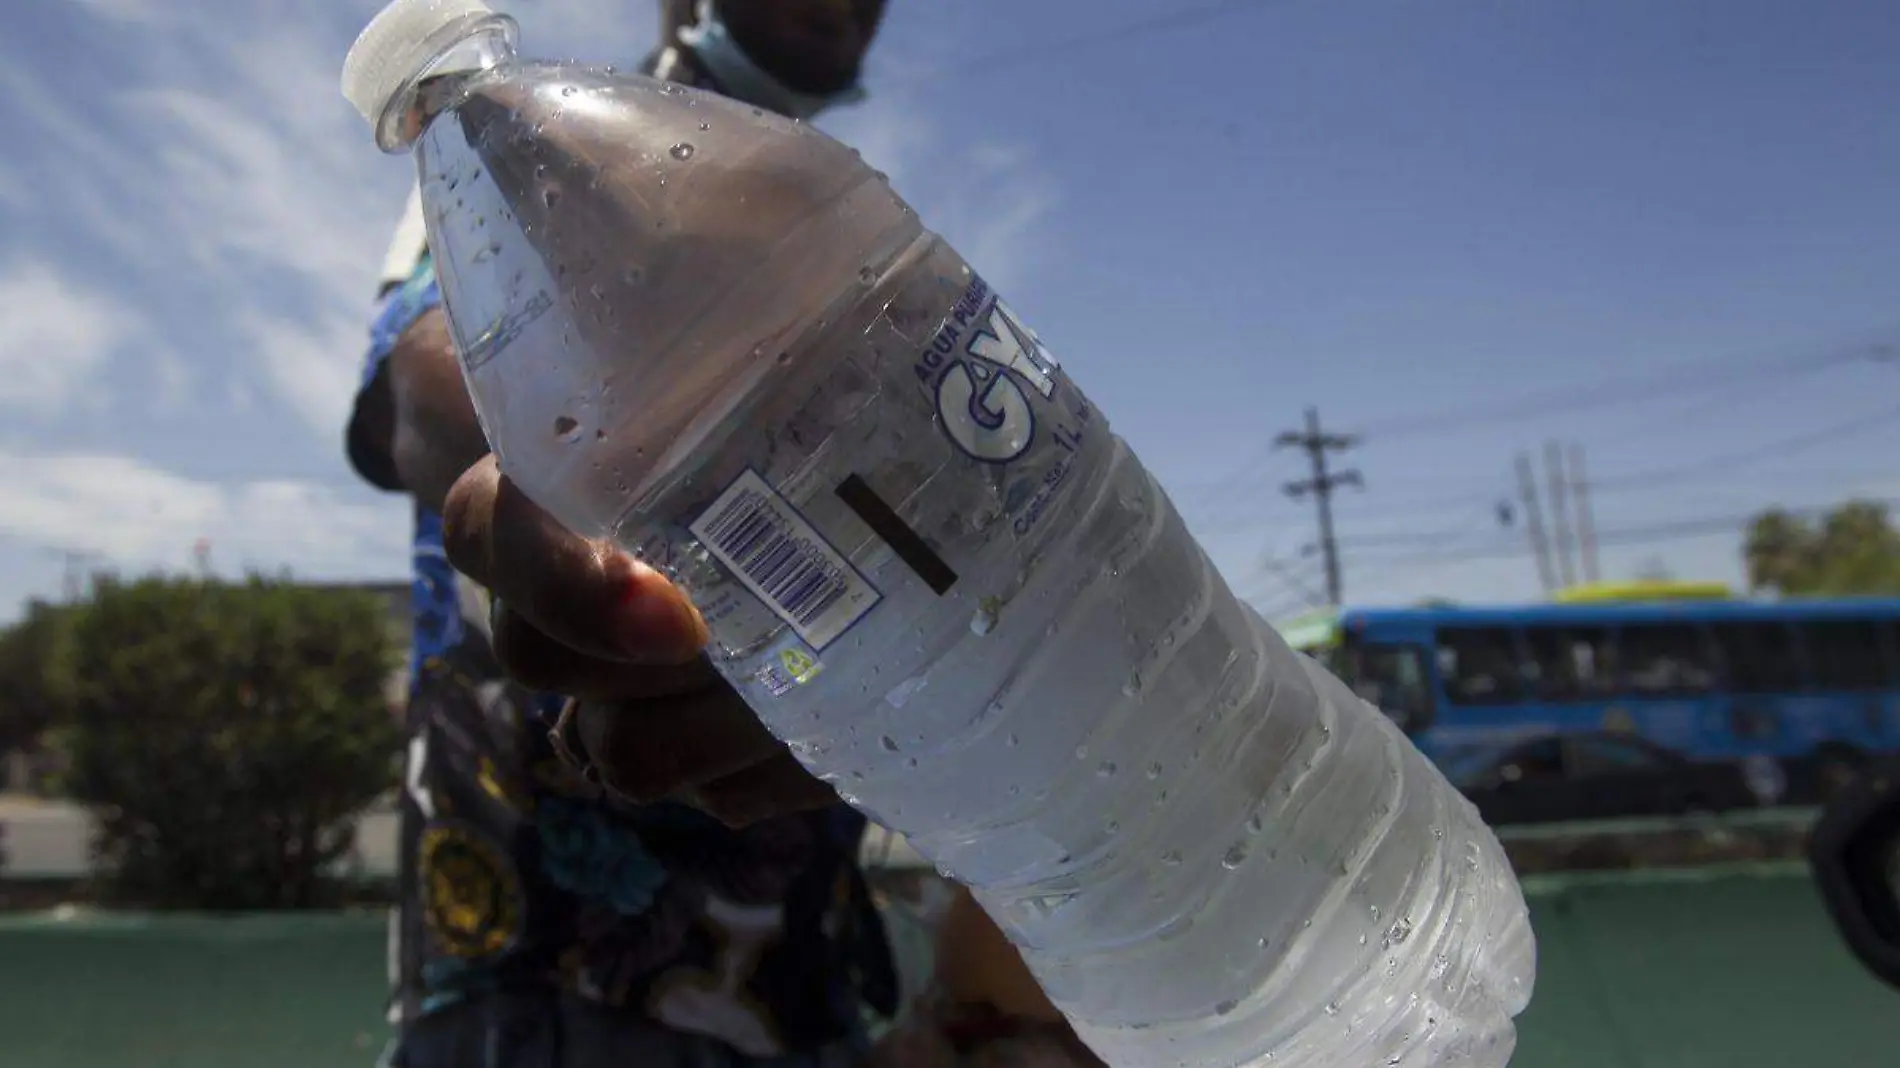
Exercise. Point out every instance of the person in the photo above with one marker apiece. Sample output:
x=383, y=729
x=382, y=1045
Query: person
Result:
x=636, y=872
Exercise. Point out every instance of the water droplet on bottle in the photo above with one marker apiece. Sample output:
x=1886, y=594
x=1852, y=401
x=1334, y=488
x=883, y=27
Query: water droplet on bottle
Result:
x=1256, y=822
x=1401, y=930
x=1226, y=1007
x=1014, y=741
x=1235, y=857
x=567, y=428
x=911, y=763
x=568, y=90
x=1332, y=1008
x=1362, y=939
x=1171, y=858
x=1111, y=827
x=704, y=127
x=1154, y=770
x=1261, y=942
x=1133, y=685
x=550, y=196
x=889, y=743
x=682, y=151
x=1106, y=770
x=866, y=275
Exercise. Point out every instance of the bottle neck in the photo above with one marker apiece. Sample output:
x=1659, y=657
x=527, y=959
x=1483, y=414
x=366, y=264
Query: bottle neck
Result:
x=467, y=50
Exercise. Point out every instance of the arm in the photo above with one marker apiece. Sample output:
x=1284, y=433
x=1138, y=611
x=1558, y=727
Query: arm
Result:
x=984, y=1008
x=976, y=966
x=414, y=428
x=434, y=434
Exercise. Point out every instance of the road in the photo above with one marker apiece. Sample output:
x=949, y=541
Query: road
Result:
x=49, y=840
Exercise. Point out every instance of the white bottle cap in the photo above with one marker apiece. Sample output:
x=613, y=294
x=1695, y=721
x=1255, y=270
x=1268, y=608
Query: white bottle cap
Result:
x=398, y=43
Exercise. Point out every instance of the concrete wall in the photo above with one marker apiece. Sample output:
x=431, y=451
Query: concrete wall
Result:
x=1732, y=969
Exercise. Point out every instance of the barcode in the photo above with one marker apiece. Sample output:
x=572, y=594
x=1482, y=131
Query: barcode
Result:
x=786, y=563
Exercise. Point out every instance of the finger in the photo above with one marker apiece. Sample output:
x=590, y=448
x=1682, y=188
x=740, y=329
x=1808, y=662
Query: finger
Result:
x=585, y=594
x=539, y=662
x=666, y=745
x=776, y=787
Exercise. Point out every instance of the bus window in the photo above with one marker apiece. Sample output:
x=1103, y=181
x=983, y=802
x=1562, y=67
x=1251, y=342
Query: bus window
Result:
x=1665, y=658
x=1570, y=663
x=1753, y=723
x=1479, y=665
x=1392, y=677
x=1845, y=654
x=1758, y=657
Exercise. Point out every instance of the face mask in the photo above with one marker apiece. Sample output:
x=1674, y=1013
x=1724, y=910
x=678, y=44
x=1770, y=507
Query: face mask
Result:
x=742, y=79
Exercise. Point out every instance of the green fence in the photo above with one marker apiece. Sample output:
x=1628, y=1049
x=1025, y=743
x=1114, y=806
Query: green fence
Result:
x=1729, y=969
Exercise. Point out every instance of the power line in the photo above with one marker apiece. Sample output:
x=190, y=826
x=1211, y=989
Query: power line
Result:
x=1287, y=579
x=1881, y=347
x=1650, y=534
x=1670, y=475
x=1746, y=457
x=1041, y=54
x=1494, y=517
x=1696, y=378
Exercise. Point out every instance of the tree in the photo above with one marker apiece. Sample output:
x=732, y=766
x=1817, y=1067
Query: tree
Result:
x=226, y=734
x=35, y=675
x=1853, y=549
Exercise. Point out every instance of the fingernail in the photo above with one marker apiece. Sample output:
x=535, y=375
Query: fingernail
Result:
x=645, y=623
x=650, y=624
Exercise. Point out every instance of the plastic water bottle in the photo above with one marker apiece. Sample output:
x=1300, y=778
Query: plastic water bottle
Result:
x=719, y=338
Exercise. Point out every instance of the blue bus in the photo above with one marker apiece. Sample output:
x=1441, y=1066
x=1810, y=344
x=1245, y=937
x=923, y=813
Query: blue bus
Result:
x=1811, y=685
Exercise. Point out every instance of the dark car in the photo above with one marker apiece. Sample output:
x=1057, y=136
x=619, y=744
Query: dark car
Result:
x=1592, y=777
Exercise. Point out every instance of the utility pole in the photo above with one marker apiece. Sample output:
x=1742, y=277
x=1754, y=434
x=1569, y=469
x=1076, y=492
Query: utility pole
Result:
x=1534, y=521
x=1586, y=520
x=1317, y=444
x=1559, y=512
x=73, y=564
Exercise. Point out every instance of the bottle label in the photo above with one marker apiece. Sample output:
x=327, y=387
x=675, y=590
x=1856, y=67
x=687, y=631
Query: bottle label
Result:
x=783, y=560
x=1000, y=396
x=983, y=368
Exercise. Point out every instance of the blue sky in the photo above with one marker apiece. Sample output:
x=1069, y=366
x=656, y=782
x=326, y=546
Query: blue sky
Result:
x=1668, y=232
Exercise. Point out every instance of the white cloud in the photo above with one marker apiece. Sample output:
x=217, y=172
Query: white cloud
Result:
x=233, y=152
x=137, y=516
x=56, y=337
x=990, y=204
x=229, y=192
x=129, y=12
